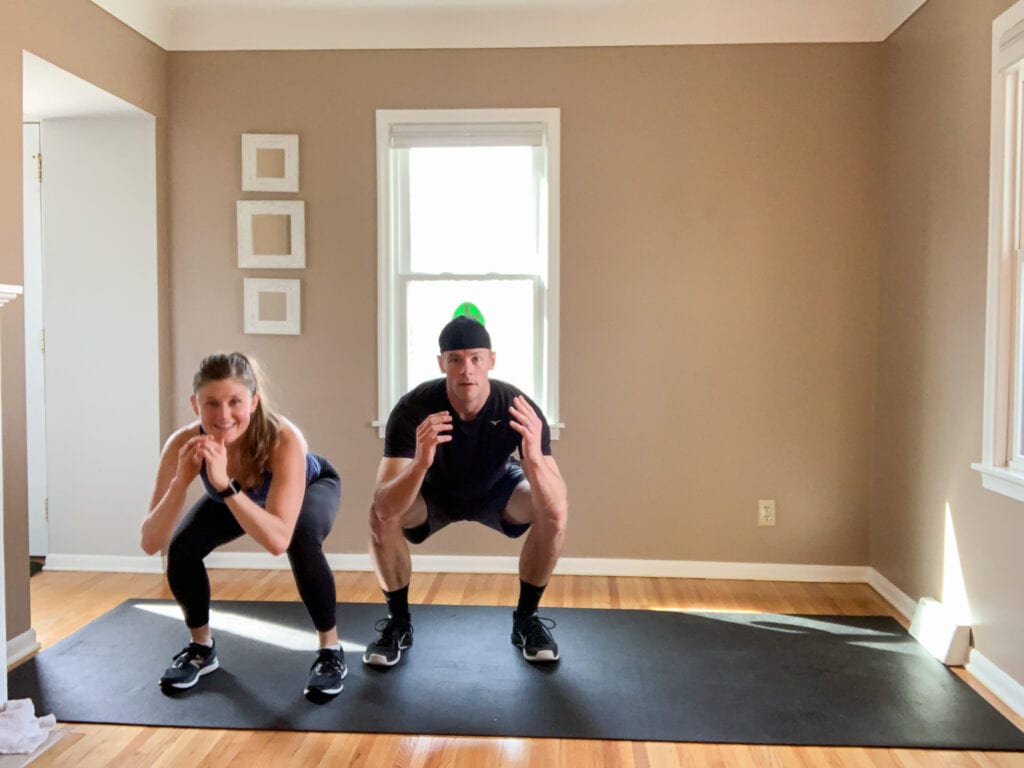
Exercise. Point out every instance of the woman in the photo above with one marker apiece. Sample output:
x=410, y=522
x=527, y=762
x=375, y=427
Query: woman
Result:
x=260, y=479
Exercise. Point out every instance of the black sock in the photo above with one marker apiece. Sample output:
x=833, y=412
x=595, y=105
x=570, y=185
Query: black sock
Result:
x=398, y=604
x=529, y=598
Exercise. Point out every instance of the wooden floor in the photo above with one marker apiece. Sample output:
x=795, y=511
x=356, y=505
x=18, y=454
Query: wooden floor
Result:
x=63, y=602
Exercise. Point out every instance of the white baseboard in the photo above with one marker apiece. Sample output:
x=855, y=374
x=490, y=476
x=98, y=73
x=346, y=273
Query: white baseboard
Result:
x=1005, y=688
x=707, y=569
x=21, y=646
x=110, y=563
x=568, y=566
x=902, y=602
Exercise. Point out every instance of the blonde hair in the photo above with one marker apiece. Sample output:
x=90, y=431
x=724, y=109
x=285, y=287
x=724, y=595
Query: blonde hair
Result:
x=264, y=425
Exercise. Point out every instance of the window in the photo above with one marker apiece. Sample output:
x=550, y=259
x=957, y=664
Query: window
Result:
x=468, y=212
x=1002, y=463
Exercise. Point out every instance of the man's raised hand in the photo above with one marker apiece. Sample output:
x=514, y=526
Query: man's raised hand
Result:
x=431, y=432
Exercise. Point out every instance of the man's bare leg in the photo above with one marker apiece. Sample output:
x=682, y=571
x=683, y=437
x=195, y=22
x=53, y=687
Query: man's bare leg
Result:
x=389, y=552
x=537, y=562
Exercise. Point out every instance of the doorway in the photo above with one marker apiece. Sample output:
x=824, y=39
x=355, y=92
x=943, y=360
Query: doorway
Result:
x=92, y=419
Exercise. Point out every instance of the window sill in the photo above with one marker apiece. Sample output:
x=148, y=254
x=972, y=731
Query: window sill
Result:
x=1002, y=480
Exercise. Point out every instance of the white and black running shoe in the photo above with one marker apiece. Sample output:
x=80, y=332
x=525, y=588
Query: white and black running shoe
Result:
x=188, y=666
x=395, y=637
x=531, y=633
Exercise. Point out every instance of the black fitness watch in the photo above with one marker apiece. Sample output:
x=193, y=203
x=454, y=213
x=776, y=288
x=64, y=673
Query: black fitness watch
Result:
x=233, y=487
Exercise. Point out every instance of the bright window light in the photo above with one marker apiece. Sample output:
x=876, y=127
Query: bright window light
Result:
x=507, y=307
x=473, y=210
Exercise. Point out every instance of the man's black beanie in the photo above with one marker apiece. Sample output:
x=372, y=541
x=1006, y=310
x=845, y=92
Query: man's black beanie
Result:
x=463, y=333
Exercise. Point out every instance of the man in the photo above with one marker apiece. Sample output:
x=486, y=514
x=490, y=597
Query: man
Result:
x=448, y=457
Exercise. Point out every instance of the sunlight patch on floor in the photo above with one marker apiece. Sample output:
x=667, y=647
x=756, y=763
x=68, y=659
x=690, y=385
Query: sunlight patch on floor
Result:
x=282, y=636
x=666, y=609
x=909, y=649
x=793, y=624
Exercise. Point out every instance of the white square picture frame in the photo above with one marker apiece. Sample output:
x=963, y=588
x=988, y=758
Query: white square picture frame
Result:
x=294, y=255
x=255, y=177
x=254, y=288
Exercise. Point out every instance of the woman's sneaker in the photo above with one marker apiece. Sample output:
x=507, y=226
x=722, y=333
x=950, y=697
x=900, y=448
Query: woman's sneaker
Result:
x=327, y=672
x=530, y=632
x=188, y=666
x=395, y=637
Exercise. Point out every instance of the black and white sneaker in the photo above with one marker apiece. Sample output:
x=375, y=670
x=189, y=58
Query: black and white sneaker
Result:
x=188, y=666
x=395, y=637
x=531, y=633
x=327, y=672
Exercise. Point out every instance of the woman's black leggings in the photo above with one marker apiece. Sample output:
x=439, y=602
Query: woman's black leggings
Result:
x=210, y=524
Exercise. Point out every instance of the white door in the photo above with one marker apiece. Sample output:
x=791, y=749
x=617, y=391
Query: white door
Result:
x=102, y=373
x=35, y=409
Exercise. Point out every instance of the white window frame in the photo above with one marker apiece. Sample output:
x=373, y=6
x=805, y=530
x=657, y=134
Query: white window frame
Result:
x=491, y=123
x=1002, y=455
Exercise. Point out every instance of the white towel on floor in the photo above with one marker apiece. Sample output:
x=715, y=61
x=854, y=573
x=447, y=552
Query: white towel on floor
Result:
x=21, y=731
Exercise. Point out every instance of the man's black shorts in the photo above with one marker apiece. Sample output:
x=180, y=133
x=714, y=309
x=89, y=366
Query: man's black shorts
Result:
x=442, y=509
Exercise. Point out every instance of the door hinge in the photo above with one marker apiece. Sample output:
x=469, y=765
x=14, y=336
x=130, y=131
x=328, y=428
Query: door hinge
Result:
x=46, y=509
x=42, y=340
x=39, y=167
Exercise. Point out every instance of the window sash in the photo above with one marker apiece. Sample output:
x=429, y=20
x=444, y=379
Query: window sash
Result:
x=402, y=200
x=499, y=127
x=480, y=134
x=401, y=358
x=1015, y=89
x=1016, y=457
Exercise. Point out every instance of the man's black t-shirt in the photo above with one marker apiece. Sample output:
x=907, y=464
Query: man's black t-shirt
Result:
x=478, y=454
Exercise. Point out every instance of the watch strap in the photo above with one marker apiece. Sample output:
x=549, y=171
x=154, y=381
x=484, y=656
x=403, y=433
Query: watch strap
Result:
x=233, y=487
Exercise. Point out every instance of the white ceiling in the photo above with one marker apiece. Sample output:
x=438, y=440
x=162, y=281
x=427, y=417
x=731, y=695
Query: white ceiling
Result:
x=190, y=25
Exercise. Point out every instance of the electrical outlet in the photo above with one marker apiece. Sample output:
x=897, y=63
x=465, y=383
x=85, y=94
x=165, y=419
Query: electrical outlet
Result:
x=766, y=511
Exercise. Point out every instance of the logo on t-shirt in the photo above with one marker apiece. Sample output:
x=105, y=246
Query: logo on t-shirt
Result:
x=496, y=423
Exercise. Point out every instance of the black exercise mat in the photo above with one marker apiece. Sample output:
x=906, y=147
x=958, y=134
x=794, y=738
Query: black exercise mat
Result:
x=636, y=675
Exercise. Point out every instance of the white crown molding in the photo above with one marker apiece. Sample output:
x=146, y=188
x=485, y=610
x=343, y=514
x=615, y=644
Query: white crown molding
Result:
x=150, y=18
x=891, y=15
x=193, y=25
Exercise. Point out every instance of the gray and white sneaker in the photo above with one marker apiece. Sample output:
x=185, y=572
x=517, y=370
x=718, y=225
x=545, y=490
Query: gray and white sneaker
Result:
x=194, y=661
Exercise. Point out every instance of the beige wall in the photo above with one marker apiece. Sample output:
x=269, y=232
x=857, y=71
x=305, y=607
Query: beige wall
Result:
x=80, y=38
x=719, y=276
x=931, y=316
